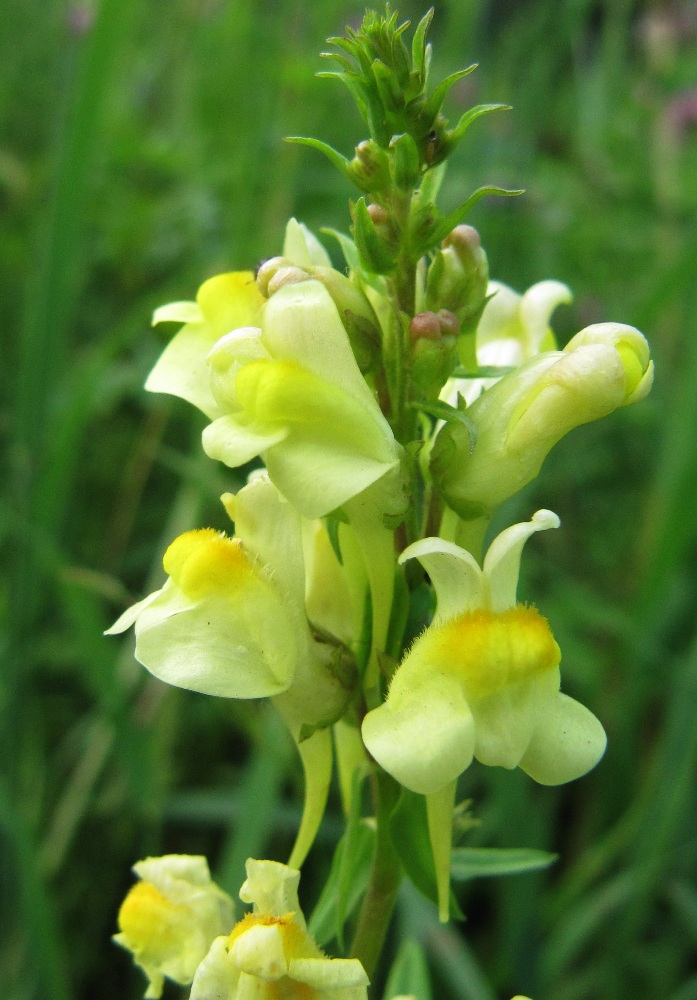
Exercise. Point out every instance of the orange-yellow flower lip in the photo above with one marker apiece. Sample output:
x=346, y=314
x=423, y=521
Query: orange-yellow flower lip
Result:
x=204, y=560
x=489, y=650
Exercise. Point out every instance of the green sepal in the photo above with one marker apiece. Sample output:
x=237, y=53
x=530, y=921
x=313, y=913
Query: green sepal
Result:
x=451, y=414
x=332, y=522
x=419, y=56
x=409, y=974
x=431, y=183
x=406, y=168
x=348, y=876
x=433, y=103
x=453, y=446
x=423, y=218
x=339, y=161
x=454, y=136
x=482, y=862
x=454, y=218
x=388, y=88
x=353, y=84
x=307, y=730
x=348, y=247
x=410, y=836
x=375, y=256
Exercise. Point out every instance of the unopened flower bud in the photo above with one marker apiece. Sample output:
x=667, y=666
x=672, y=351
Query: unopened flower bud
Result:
x=458, y=276
x=425, y=325
x=266, y=271
x=370, y=168
x=434, y=350
x=379, y=214
x=464, y=239
x=286, y=276
x=449, y=322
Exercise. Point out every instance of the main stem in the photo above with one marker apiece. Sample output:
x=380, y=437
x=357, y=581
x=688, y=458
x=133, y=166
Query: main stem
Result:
x=385, y=879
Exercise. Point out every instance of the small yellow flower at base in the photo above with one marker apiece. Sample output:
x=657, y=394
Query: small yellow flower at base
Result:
x=269, y=955
x=481, y=681
x=169, y=918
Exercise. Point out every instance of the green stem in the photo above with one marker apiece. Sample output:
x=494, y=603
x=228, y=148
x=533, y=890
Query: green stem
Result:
x=385, y=879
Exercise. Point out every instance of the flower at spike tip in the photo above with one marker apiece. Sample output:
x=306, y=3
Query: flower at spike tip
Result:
x=482, y=680
x=270, y=955
x=171, y=916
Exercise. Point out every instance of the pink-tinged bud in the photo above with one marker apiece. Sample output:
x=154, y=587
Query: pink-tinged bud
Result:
x=379, y=215
x=425, y=326
x=449, y=322
x=464, y=239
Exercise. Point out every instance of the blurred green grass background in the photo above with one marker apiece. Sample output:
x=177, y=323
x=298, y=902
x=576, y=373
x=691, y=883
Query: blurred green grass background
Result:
x=140, y=153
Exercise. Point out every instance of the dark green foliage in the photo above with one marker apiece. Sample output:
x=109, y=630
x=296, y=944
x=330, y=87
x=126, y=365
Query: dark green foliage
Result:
x=140, y=153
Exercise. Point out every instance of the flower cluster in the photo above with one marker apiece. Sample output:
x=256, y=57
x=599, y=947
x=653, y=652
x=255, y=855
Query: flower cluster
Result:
x=386, y=410
x=179, y=925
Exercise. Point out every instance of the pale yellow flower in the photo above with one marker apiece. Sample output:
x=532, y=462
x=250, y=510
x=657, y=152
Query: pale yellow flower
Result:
x=481, y=681
x=269, y=955
x=171, y=916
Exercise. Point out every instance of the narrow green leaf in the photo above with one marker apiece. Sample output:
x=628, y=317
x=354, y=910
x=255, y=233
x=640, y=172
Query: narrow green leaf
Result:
x=418, y=42
x=354, y=84
x=375, y=256
x=348, y=876
x=342, y=60
x=455, y=217
x=482, y=862
x=339, y=161
x=484, y=371
x=471, y=116
x=435, y=100
x=409, y=829
x=348, y=247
